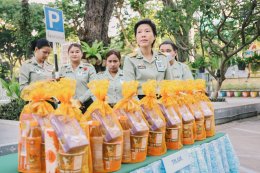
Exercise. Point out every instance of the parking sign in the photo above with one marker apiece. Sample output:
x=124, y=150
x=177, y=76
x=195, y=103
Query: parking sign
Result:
x=54, y=25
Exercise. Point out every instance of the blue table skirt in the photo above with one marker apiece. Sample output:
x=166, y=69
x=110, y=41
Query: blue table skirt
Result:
x=217, y=156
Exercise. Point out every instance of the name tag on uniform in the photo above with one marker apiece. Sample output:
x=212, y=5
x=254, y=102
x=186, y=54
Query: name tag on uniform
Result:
x=141, y=66
x=159, y=65
x=176, y=76
x=68, y=71
x=38, y=71
x=80, y=73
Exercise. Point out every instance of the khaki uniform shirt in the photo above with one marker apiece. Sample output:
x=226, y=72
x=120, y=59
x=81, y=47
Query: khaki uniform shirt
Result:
x=82, y=74
x=115, y=85
x=180, y=71
x=136, y=67
x=31, y=71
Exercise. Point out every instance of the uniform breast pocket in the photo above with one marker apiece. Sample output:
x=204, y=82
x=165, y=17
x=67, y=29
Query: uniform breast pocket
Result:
x=84, y=76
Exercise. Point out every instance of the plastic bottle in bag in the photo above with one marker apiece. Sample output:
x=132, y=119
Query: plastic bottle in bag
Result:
x=33, y=148
x=126, y=157
x=96, y=143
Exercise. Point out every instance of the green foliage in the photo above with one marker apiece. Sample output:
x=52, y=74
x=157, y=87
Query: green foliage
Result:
x=4, y=69
x=139, y=6
x=176, y=20
x=24, y=28
x=199, y=62
x=254, y=62
x=95, y=50
x=12, y=110
x=98, y=49
x=12, y=88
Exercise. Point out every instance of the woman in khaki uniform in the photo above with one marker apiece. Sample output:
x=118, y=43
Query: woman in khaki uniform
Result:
x=179, y=70
x=37, y=68
x=81, y=72
x=115, y=76
x=146, y=63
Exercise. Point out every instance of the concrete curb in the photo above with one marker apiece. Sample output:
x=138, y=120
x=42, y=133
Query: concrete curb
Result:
x=225, y=115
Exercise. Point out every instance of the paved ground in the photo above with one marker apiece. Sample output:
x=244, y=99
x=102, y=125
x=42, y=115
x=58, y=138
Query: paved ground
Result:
x=245, y=137
x=8, y=132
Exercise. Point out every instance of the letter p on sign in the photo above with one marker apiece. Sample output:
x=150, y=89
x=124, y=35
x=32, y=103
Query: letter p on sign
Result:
x=54, y=18
x=54, y=24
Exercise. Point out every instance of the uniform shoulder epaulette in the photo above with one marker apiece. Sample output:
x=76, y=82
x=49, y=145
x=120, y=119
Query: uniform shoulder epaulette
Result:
x=87, y=64
x=132, y=55
x=28, y=61
x=65, y=65
x=100, y=73
x=48, y=63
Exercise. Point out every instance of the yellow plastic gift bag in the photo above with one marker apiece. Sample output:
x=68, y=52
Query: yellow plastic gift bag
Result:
x=169, y=109
x=188, y=120
x=112, y=135
x=65, y=123
x=64, y=91
x=152, y=112
x=206, y=107
x=194, y=107
x=37, y=95
x=135, y=128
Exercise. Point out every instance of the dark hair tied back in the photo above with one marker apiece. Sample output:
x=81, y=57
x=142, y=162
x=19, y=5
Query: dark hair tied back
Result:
x=75, y=45
x=113, y=52
x=40, y=44
x=174, y=47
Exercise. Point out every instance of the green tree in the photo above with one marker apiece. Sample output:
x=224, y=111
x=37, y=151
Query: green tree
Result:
x=24, y=27
x=176, y=19
x=226, y=28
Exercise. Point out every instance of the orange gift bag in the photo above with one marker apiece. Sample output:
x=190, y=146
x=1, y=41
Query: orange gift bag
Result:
x=34, y=115
x=189, y=126
x=73, y=151
x=134, y=125
x=169, y=108
x=206, y=107
x=154, y=117
x=106, y=136
x=194, y=107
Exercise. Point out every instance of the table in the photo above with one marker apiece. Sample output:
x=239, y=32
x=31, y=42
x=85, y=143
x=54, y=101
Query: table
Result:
x=212, y=155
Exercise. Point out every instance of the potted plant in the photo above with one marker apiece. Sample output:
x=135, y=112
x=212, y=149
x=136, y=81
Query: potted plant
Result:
x=237, y=93
x=200, y=64
x=229, y=90
x=245, y=90
x=254, y=63
x=253, y=91
x=241, y=63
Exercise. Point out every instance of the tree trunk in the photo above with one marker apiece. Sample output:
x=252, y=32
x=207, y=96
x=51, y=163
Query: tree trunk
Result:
x=219, y=84
x=25, y=28
x=96, y=21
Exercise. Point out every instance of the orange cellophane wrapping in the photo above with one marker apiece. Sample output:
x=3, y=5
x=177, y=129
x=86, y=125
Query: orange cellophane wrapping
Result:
x=205, y=104
x=99, y=89
x=37, y=94
x=189, y=125
x=194, y=107
x=156, y=139
x=130, y=105
x=87, y=167
x=64, y=91
x=174, y=132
